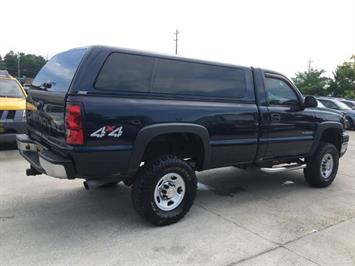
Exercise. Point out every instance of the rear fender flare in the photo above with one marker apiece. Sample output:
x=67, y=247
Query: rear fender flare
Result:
x=146, y=134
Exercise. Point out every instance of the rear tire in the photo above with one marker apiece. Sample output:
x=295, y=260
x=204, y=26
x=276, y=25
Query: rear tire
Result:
x=322, y=167
x=164, y=190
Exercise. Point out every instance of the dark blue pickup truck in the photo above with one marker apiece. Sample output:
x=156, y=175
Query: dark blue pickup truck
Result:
x=107, y=115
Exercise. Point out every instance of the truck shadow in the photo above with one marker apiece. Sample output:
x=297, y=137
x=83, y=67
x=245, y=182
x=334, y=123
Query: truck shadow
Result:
x=61, y=214
x=230, y=181
x=70, y=207
x=8, y=146
x=235, y=188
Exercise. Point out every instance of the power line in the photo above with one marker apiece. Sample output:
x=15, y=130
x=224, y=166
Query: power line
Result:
x=18, y=65
x=309, y=65
x=176, y=33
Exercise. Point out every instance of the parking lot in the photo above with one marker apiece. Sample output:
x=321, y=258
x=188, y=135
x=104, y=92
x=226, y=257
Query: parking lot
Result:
x=241, y=217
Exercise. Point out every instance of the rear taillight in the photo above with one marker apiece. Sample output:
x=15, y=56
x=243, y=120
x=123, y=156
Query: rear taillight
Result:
x=74, y=125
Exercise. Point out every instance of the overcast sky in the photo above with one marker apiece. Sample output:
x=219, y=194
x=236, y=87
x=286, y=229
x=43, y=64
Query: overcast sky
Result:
x=279, y=35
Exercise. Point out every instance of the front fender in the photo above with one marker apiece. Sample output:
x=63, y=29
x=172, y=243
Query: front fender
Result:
x=320, y=130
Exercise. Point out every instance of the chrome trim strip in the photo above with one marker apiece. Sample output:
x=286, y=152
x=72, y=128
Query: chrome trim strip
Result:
x=227, y=142
x=286, y=139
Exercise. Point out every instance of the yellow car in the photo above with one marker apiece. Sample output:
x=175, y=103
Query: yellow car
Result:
x=12, y=108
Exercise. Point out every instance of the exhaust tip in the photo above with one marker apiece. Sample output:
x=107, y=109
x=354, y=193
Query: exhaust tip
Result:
x=86, y=186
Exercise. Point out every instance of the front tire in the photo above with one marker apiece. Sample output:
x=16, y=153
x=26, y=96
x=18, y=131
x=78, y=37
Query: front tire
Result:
x=164, y=190
x=322, y=168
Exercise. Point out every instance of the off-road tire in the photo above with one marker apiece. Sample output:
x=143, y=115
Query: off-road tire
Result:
x=145, y=184
x=312, y=172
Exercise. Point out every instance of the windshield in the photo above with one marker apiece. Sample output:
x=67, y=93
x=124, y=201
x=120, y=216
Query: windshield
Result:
x=342, y=106
x=350, y=104
x=58, y=73
x=320, y=105
x=10, y=88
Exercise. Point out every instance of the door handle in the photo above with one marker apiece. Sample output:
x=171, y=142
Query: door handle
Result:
x=275, y=117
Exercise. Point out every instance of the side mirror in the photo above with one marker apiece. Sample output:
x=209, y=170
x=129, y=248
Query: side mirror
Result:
x=310, y=101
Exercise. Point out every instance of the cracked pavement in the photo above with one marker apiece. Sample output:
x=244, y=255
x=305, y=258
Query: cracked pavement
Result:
x=240, y=217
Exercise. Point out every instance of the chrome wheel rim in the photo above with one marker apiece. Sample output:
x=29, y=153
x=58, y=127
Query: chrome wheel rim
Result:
x=169, y=191
x=327, y=165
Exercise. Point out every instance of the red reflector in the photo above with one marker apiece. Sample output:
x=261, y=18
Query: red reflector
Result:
x=74, y=125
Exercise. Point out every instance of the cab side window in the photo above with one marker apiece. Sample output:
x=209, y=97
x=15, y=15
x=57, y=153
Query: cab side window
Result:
x=279, y=92
x=126, y=72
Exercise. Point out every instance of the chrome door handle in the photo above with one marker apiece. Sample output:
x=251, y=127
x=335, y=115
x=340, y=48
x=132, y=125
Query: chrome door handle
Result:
x=275, y=117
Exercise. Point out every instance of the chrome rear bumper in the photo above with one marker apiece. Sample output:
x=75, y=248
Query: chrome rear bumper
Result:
x=43, y=160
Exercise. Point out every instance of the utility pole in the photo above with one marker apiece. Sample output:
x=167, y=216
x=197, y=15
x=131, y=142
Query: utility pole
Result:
x=18, y=65
x=309, y=65
x=176, y=33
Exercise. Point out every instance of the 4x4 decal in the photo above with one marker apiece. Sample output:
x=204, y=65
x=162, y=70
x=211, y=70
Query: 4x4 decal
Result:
x=109, y=131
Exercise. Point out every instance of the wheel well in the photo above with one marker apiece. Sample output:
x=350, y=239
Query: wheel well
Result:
x=183, y=145
x=351, y=121
x=332, y=135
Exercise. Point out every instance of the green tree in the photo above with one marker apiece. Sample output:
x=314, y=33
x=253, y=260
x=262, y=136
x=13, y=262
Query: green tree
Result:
x=343, y=83
x=30, y=64
x=10, y=60
x=312, y=82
